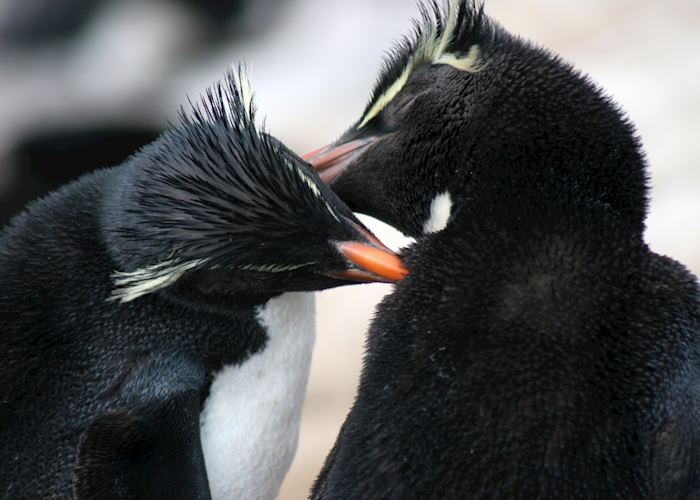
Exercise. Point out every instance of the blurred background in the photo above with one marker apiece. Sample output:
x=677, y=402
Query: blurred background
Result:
x=83, y=83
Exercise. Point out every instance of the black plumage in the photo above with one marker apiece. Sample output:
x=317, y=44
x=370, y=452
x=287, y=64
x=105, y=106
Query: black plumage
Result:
x=181, y=200
x=123, y=293
x=539, y=348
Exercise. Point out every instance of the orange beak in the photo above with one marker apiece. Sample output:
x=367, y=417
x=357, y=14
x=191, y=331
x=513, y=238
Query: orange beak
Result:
x=330, y=161
x=372, y=260
x=373, y=264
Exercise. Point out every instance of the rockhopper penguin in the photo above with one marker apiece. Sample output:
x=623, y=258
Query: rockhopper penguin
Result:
x=155, y=325
x=539, y=348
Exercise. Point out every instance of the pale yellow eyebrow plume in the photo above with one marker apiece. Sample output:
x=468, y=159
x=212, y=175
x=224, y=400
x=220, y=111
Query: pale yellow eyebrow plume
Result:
x=388, y=96
x=310, y=184
x=468, y=63
x=134, y=284
x=429, y=49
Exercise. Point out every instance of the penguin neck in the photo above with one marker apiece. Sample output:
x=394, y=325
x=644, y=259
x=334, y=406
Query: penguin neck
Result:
x=186, y=293
x=118, y=210
x=506, y=208
x=553, y=192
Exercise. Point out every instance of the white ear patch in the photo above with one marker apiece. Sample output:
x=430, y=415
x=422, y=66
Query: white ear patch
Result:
x=440, y=211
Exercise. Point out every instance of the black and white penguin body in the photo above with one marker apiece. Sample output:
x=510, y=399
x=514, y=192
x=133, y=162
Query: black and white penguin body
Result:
x=156, y=320
x=539, y=348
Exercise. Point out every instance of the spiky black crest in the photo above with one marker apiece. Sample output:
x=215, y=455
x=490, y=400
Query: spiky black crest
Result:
x=462, y=21
x=216, y=187
x=228, y=103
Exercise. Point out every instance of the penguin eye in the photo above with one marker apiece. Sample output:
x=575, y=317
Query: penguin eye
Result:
x=404, y=106
x=393, y=115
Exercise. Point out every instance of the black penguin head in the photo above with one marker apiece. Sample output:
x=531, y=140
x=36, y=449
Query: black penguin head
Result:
x=218, y=204
x=462, y=109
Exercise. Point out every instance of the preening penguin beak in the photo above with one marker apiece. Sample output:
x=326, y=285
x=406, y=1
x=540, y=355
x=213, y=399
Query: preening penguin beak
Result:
x=330, y=161
x=373, y=264
x=371, y=260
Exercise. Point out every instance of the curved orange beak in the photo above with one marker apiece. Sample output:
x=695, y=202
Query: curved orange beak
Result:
x=372, y=261
x=373, y=264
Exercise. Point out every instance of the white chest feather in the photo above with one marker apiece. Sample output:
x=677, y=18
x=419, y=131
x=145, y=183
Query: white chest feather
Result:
x=250, y=421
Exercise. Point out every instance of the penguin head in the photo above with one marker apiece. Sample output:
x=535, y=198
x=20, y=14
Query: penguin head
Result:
x=463, y=109
x=222, y=207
